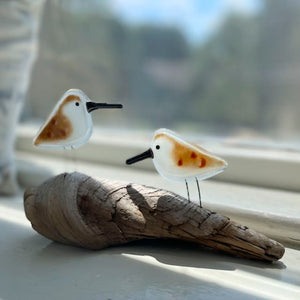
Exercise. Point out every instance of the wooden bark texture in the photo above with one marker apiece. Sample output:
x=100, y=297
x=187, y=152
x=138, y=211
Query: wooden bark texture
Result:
x=75, y=209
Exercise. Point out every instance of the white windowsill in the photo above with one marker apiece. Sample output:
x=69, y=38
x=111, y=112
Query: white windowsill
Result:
x=33, y=267
x=40, y=268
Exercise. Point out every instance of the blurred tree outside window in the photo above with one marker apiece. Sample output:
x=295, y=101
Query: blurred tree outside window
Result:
x=239, y=77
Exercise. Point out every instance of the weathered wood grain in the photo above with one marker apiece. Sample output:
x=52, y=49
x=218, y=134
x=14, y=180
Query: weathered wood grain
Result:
x=78, y=210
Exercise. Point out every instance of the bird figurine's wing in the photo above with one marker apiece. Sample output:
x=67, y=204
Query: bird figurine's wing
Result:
x=68, y=126
x=177, y=159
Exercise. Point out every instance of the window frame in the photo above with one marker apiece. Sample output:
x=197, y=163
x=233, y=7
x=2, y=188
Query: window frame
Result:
x=261, y=167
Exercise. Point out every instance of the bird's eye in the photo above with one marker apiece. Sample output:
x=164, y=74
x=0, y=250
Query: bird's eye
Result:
x=157, y=147
x=77, y=103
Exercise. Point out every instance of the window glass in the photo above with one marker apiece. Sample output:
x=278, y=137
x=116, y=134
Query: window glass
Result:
x=210, y=68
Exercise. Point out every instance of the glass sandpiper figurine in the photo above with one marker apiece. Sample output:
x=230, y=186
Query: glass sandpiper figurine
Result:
x=178, y=160
x=69, y=125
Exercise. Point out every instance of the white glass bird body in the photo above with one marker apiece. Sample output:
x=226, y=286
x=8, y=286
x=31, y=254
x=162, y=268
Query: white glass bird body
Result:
x=176, y=159
x=70, y=124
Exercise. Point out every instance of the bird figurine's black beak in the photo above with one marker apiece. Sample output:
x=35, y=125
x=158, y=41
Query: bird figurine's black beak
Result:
x=142, y=156
x=93, y=106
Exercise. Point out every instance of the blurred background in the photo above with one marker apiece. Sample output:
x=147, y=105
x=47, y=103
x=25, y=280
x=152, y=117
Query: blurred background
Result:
x=212, y=68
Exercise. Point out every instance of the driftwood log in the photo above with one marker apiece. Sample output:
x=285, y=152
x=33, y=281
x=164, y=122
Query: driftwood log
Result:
x=78, y=210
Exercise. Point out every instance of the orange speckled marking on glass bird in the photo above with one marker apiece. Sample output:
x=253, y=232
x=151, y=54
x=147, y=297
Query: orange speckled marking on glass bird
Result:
x=59, y=126
x=184, y=156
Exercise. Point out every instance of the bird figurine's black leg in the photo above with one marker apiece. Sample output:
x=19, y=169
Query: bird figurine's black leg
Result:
x=198, y=191
x=187, y=189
